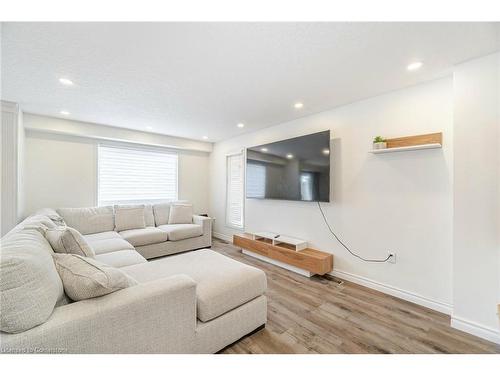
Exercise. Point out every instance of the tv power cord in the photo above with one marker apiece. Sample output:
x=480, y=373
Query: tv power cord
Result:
x=345, y=246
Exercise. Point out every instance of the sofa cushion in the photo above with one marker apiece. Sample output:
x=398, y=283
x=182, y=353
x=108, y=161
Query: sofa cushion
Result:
x=110, y=245
x=107, y=242
x=145, y=236
x=222, y=283
x=36, y=221
x=67, y=240
x=181, y=214
x=121, y=258
x=102, y=236
x=52, y=215
x=89, y=220
x=129, y=217
x=29, y=284
x=149, y=218
x=161, y=213
x=177, y=232
x=85, y=278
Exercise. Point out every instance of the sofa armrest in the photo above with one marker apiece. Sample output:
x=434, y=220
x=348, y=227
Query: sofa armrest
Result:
x=205, y=222
x=154, y=317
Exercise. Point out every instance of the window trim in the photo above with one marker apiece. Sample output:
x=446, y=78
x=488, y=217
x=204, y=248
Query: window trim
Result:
x=243, y=199
x=134, y=147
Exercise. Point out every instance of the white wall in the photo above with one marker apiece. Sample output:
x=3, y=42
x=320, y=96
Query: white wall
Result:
x=60, y=169
x=21, y=150
x=11, y=175
x=59, y=172
x=477, y=200
x=401, y=202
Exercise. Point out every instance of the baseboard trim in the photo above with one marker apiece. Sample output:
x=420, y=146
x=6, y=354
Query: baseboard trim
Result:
x=222, y=236
x=393, y=291
x=475, y=329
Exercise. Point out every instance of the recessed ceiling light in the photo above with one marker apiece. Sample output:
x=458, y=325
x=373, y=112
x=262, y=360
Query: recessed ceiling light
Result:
x=298, y=105
x=414, y=66
x=326, y=151
x=149, y=128
x=205, y=137
x=66, y=81
x=240, y=125
x=289, y=156
x=65, y=113
x=263, y=149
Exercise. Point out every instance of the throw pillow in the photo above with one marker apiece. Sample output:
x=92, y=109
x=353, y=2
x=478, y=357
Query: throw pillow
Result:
x=161, y=212
x=129, y=217
x=181, y=214
x=67, y=240
x=85, y=278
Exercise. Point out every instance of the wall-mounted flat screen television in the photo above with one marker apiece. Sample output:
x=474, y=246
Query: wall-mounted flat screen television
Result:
x=293, y=169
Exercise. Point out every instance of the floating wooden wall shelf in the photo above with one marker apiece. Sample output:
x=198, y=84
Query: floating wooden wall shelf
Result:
x=415, y=142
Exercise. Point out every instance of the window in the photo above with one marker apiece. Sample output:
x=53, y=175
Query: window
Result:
x=134, y=175
x=256, y=180
x=234, y=190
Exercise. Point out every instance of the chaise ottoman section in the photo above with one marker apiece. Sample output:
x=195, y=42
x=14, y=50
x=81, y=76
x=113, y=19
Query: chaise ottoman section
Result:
x=233, y=285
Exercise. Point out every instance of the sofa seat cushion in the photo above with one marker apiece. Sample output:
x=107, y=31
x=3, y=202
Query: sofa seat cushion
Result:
x=177, y=232
x=107, y=242
x=144, y=236
x=102, y=236
x=121, y=258
x=222, y=283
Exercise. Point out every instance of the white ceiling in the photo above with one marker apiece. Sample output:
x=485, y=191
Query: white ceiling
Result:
x=195, y=79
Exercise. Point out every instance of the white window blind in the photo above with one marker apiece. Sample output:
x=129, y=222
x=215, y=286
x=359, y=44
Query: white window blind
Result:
x=129, y=175
x=256, y=180
x=234, y=190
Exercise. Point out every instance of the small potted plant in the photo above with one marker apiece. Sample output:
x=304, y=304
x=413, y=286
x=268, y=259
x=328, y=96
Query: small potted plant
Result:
x=379, y=143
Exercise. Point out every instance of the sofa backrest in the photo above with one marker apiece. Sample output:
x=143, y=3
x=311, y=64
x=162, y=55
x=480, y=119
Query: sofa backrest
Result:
x=89, y=220
x=161, y=212
x=30, y=286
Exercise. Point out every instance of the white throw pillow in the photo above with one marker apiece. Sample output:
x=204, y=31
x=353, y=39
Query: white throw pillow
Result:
x=181, y=214
x=67, y=240
x=161, y=213
x=129, y=217
x=149, y=218
x=85, y=278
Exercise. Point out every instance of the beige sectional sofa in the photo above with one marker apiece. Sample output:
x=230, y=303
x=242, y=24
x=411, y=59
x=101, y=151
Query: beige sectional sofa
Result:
x=193, y=302
x=156, y=239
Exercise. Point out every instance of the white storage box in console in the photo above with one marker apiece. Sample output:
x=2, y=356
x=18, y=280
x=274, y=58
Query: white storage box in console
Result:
x=296, y=243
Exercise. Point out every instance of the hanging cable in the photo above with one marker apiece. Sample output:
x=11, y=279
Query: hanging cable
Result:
x=345, y=246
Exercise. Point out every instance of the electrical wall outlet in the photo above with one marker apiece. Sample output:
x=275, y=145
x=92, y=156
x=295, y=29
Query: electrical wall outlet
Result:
x=392, y=259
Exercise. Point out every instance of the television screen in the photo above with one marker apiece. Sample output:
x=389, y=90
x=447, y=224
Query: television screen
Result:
x=293, y=169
